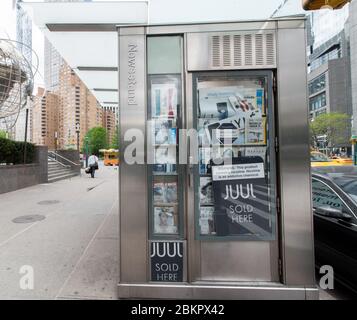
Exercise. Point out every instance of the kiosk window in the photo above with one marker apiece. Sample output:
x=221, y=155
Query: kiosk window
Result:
x=235, y=174
x=164, y=56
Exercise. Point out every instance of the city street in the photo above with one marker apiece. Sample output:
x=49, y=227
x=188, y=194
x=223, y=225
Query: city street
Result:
x=73, y=250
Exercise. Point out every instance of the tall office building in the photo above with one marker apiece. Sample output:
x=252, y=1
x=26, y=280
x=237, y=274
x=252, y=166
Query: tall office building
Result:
x=77, y=106
x=329, y=77
x=45, y=118
x=53, y=60
x=353, y=54
x=109, y=123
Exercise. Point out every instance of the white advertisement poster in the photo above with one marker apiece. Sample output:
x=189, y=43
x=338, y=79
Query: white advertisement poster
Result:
x=238, y=113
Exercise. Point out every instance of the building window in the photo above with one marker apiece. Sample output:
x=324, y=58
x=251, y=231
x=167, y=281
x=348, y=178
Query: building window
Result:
x=317, y=102
x=322, y=111
x=317, y=84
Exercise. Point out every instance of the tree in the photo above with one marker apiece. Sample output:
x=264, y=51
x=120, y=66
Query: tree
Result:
x=115, y=141
x=333, y=126
x=3, y=134
x=97, y=139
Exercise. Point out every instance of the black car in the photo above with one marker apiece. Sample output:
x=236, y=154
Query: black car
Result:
x=334, y=192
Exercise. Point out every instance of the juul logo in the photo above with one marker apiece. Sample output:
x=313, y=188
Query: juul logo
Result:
x=166, y=249
x=237, y=192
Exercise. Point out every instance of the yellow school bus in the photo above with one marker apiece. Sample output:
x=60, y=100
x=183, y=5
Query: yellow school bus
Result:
x=111, y=157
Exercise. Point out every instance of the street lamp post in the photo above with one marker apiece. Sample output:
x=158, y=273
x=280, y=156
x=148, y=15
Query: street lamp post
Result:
x=26, y=125
x=78, y=130
x=56, y=142
x=86, y=150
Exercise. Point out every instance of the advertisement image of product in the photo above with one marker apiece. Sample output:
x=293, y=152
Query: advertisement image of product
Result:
x=246, y=127
x=225, y=102
x=242, y=200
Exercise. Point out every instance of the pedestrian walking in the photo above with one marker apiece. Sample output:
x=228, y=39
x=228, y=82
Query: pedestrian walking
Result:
x=92, y=165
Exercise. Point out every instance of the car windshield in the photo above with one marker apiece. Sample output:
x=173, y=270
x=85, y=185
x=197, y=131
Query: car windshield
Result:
x=319, y=157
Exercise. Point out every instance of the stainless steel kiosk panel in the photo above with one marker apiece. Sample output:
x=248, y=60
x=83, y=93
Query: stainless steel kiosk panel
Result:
x=204, y=228
x=132, y=176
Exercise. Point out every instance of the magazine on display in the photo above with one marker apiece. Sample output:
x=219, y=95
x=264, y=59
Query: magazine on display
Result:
x=159, y=192
x=206, y=156
x=206, y=191
x=254, y=97
x=164, y=131
x=256, y=132
x=165, y=193
x=228, y=131
x=203, y=132
x=224, y=102
x=165, y=220
x=164, y=100
x=171, y=192
x=239, y=116
x=204, y=159
x=206, y=221
x=165, y=160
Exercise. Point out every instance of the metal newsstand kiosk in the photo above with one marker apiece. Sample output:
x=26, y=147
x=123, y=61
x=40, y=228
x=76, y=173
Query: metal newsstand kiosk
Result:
x=173, y=241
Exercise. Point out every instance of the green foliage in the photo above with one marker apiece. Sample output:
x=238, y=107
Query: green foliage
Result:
x=332, y=125
x=97, y=139
x=115, y=142
x=3, y=134
x=12, y=152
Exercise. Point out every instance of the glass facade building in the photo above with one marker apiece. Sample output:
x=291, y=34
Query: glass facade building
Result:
x=329, y=67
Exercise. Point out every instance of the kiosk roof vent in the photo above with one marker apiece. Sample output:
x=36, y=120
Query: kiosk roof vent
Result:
x=216, y=59
x=246, y=50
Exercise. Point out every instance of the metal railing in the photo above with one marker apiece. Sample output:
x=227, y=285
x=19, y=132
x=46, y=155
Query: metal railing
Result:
x=64, y=162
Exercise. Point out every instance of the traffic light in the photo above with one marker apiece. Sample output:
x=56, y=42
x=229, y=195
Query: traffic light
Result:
x=320, y=4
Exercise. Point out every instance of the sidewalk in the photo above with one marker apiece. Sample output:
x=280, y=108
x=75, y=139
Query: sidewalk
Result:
x=73, y=250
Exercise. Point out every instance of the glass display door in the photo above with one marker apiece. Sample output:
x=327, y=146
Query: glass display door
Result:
x=234, y=190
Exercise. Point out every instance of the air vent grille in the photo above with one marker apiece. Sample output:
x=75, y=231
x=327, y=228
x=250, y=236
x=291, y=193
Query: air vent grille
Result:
x=245, y=50
x=259, y=50
x=270, y=49
x=226, y=50
x=237, y=50
x=216, y=51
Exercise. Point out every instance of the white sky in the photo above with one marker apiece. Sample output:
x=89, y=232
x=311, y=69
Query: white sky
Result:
x=8, y=31
x=8, y=24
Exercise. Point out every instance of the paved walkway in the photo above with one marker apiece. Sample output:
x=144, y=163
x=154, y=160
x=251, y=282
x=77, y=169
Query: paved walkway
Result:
x=73, y=251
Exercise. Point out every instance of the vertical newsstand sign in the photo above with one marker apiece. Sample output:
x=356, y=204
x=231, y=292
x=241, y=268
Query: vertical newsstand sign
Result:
x=242, y=201
x=166, y=261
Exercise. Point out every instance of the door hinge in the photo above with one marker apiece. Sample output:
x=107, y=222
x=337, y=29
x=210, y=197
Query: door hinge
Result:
x=276, y=145
x=274, y=84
